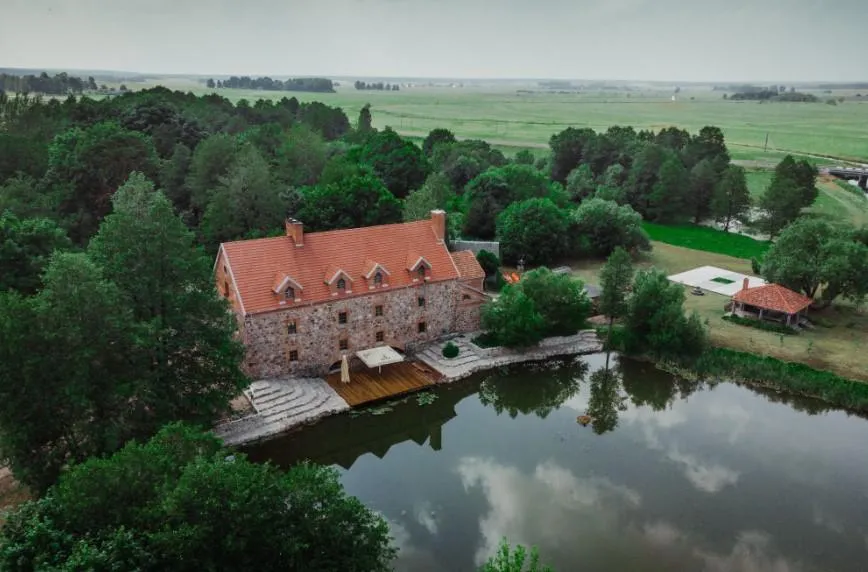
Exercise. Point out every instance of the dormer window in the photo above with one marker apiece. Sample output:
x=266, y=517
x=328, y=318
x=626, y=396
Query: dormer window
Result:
x=342, y=284
x=421, y=272
x=289, y=293
x=378, y=279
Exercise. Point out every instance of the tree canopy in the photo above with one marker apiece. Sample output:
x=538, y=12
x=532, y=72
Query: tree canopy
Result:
x=358, y=200
x=182, y=502
x=792, y=188
x=535, y=230
x=604, y=225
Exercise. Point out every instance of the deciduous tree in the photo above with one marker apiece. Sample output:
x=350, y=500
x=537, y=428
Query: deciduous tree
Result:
x=434, y=194
x=25, y=248
x=731, y=197
x=533, y=229
x=187, y=358
x=436, y=137
x=792, y=188
x=163, y=505
x=399, y=163
x=358, y=200
x=616, y=278
x=604, y=226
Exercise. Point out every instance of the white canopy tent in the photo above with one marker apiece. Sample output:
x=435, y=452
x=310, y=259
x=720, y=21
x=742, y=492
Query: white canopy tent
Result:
x=379, y=356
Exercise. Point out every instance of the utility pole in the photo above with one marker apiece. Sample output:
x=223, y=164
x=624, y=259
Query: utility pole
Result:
x=766, y=145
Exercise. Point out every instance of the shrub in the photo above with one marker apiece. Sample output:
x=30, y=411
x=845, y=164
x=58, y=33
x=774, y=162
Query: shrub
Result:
x=489, y=261
x=760, y=325
x=450, y=350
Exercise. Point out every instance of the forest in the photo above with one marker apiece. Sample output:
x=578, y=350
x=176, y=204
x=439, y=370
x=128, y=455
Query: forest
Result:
x=314, y=84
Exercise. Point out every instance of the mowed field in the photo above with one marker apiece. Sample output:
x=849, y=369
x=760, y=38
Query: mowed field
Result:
x=836, y=345
x=502, y=115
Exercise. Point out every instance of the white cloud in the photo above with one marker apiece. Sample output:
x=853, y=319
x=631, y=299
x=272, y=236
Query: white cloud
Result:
x=707, y=477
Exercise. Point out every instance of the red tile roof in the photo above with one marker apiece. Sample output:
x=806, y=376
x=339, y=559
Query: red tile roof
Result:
x=256, y=264
x=773, y=297
x=467, y=264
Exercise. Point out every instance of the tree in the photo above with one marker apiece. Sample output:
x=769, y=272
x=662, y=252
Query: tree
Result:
x=792, y=188
x=246, y=203
x=655, y=321
x=436, y=137
x=519, y=560
x=616, y=278
x=606, y=400
x=489, y=262
x=512, y=320
x=91, y=164
x=72, y=402
x=667, y=201
x=25, y=248
x=364, y=125
x=533, y=229
x=811, y=254
x=301, y=157
x=581, y=183
x=524, y=157
x=709, y=144
x=163, y=505
x=567, y=151
x=643, y=176
x=731, y=196
x=357, y=200
x=173, y=177
x=542, y=304
x=434, y=194
x=511, y=393
x=210, y=83
x=187, y=357
x=462, y=161
x=399, y=163
x=703, y=179
x=559, y=298
x=211, y=161
x=604, y=225
x=495, y=189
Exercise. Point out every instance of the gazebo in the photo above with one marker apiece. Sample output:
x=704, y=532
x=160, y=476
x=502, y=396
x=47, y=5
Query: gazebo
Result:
x=770, y=302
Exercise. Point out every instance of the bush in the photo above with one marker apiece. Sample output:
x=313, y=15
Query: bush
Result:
x=760, y=325
x=489, y=261
x=450, y=350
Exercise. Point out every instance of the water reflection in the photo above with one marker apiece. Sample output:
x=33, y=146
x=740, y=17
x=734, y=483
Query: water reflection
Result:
x=536, y=389
x=671, y=475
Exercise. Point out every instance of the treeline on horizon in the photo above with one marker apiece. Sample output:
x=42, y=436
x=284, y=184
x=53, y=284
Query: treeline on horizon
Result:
x=771, y=95
x=59, y=84
x=312, y=84
x=376, y=86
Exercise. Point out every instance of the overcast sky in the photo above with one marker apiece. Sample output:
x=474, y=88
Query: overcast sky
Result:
x=751, y=40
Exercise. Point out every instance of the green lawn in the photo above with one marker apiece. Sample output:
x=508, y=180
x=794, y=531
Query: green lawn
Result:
x=707, y=239
x=503, y=116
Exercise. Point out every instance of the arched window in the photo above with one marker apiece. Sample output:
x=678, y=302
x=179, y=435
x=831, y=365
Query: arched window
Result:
x=290, y=293
x=378, y=279
x=342, y=284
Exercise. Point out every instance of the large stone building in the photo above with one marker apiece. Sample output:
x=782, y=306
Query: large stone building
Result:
x=304, y=300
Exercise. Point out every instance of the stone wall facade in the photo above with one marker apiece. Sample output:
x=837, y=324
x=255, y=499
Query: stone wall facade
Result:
x=306, y=339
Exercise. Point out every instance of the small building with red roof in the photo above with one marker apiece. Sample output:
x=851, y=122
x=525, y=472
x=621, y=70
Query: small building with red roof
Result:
x=304, y=300
x=770, y=302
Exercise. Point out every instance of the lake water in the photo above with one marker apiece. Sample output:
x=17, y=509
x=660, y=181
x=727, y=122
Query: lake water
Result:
x=668, y=476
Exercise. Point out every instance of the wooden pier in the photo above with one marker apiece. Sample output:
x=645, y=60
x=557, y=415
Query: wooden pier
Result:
x=369, y=385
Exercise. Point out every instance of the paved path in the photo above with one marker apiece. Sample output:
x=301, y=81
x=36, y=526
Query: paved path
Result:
x=279, y=405
x=471, y=358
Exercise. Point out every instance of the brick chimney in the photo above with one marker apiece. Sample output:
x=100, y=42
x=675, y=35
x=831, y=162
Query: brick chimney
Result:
x=438, y=221
x=744, y=284
x=295, y=231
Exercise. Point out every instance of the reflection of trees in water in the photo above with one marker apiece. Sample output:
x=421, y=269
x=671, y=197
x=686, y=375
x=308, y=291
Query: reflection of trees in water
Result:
x=647, y=385
x=606, y=400
x=538, y=388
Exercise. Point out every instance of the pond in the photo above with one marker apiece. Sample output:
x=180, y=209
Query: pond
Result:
x=669, y=475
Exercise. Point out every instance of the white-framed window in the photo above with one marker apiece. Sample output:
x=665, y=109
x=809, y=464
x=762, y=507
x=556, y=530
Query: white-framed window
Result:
x=378, y=278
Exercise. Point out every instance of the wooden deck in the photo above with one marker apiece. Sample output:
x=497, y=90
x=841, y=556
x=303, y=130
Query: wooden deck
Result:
x=368, y=385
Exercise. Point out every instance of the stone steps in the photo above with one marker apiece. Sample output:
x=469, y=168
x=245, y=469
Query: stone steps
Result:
x=316, y=402
x=297, y=401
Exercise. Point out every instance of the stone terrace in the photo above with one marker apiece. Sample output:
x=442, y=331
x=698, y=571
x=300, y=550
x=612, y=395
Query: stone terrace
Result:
x=472, y=358
x=281, y=404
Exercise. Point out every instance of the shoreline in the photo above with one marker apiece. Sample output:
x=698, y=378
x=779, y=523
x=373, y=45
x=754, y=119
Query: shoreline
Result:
x=305, y=401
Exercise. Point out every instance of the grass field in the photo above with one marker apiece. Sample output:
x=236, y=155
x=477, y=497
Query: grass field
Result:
x=838, y=348
x=501, y=115
x=707, y=239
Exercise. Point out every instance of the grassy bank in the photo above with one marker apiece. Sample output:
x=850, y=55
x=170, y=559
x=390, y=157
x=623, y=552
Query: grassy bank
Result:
x=779, y=375
x=707, y=239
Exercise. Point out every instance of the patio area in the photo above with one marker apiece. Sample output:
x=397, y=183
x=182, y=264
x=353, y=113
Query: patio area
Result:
x=717, y=280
